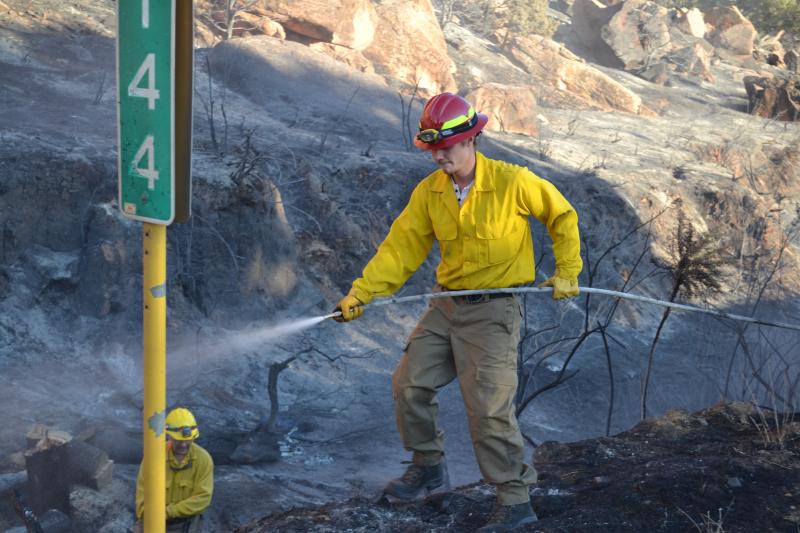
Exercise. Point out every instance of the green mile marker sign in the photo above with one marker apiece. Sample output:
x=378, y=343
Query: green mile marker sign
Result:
x=146, y=109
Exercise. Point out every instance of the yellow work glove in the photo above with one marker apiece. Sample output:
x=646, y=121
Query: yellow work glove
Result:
x=351, y=308
x=562, y=288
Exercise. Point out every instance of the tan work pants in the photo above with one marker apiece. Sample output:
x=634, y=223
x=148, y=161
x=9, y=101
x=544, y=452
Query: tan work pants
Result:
x=476, y=342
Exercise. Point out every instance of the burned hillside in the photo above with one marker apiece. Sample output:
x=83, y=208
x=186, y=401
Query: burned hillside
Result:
x=653, y=121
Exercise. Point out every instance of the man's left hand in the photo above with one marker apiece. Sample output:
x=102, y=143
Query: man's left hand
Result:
x=562, y=288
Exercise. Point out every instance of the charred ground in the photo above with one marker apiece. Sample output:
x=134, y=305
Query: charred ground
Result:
x=732, y=467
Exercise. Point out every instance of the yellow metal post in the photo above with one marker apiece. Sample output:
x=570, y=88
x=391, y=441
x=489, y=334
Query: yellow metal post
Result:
x=155, y=376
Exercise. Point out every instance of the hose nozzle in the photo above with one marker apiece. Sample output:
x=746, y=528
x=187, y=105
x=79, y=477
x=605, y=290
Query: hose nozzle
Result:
x=333, y=315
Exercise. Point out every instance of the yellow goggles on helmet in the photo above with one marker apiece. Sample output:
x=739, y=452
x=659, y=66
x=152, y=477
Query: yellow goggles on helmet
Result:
x=433, y=136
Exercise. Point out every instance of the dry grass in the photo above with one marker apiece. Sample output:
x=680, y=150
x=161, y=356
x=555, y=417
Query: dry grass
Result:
x=707, y=524
x=775, y=428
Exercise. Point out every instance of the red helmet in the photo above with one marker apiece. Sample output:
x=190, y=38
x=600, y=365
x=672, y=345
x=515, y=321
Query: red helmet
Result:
x=446, y=120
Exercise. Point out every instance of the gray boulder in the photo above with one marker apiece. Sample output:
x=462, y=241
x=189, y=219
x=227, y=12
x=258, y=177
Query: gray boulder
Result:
x=639, y=33
x=732, y=31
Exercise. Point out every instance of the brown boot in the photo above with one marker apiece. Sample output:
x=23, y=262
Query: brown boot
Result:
x=509, y=518
x=416, y=479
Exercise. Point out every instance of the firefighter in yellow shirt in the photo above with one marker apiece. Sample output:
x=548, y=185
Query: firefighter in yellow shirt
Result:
x=190, y=476
x=477, y=209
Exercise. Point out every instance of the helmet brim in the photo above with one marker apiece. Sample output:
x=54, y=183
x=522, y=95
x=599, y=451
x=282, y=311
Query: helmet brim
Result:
x=455, y=139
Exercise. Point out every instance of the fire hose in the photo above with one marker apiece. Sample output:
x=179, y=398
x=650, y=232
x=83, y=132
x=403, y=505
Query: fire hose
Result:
x=584, y=290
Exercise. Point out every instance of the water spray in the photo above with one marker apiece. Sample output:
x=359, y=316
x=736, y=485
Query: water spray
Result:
x=244, y=341
x=589, y=290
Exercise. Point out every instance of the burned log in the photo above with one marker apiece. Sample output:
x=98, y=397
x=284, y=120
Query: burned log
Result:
x=88, y=465
x=48, y=485
x=40, y=431
x=773, y=98
x=54, y=461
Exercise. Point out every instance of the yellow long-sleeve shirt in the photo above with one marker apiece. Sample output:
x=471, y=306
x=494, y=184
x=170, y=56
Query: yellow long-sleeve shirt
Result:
x=484, y=244
x=190, y=484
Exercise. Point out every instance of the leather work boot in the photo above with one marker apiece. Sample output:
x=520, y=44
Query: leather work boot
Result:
x=509, y=517
x=416, y=479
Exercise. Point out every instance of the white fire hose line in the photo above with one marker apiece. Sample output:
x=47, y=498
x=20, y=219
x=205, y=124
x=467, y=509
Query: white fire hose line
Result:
x=585, y=290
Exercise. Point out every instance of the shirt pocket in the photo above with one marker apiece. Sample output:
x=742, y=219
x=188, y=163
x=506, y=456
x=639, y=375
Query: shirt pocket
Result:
x=446, y=233
x=184, y=488
x=497, y=247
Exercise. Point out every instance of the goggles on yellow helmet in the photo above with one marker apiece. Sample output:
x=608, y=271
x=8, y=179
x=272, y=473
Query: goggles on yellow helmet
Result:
x=434, y=136
x=183, y=432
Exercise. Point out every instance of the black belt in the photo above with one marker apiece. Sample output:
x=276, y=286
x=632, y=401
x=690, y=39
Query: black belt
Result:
x=478, y=298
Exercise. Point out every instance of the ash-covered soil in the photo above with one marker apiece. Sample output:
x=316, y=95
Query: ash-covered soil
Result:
x=732, y=467
x=290, y=200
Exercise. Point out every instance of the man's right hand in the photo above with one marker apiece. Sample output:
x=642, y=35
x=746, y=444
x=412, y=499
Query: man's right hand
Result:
x=351, y=308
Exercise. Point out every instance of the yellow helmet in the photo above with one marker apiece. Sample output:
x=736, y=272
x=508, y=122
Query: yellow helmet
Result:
x=181, y=424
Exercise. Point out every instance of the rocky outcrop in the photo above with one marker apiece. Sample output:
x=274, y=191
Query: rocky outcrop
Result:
x=732, y=31
x=645, y=38
x=254, y=24
x=564, y=79
x=478, y=61
x=770, y=50
x=694, y=60
x=340, y=98
x=409, y=46
x=691, y=22
x=511, y=109
x=638, y=33
x=589, y=16
x=350, y=23
x=402, y=40
x=660, y=44
x=215, y=25
x=345, y=55
x=773, y=97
